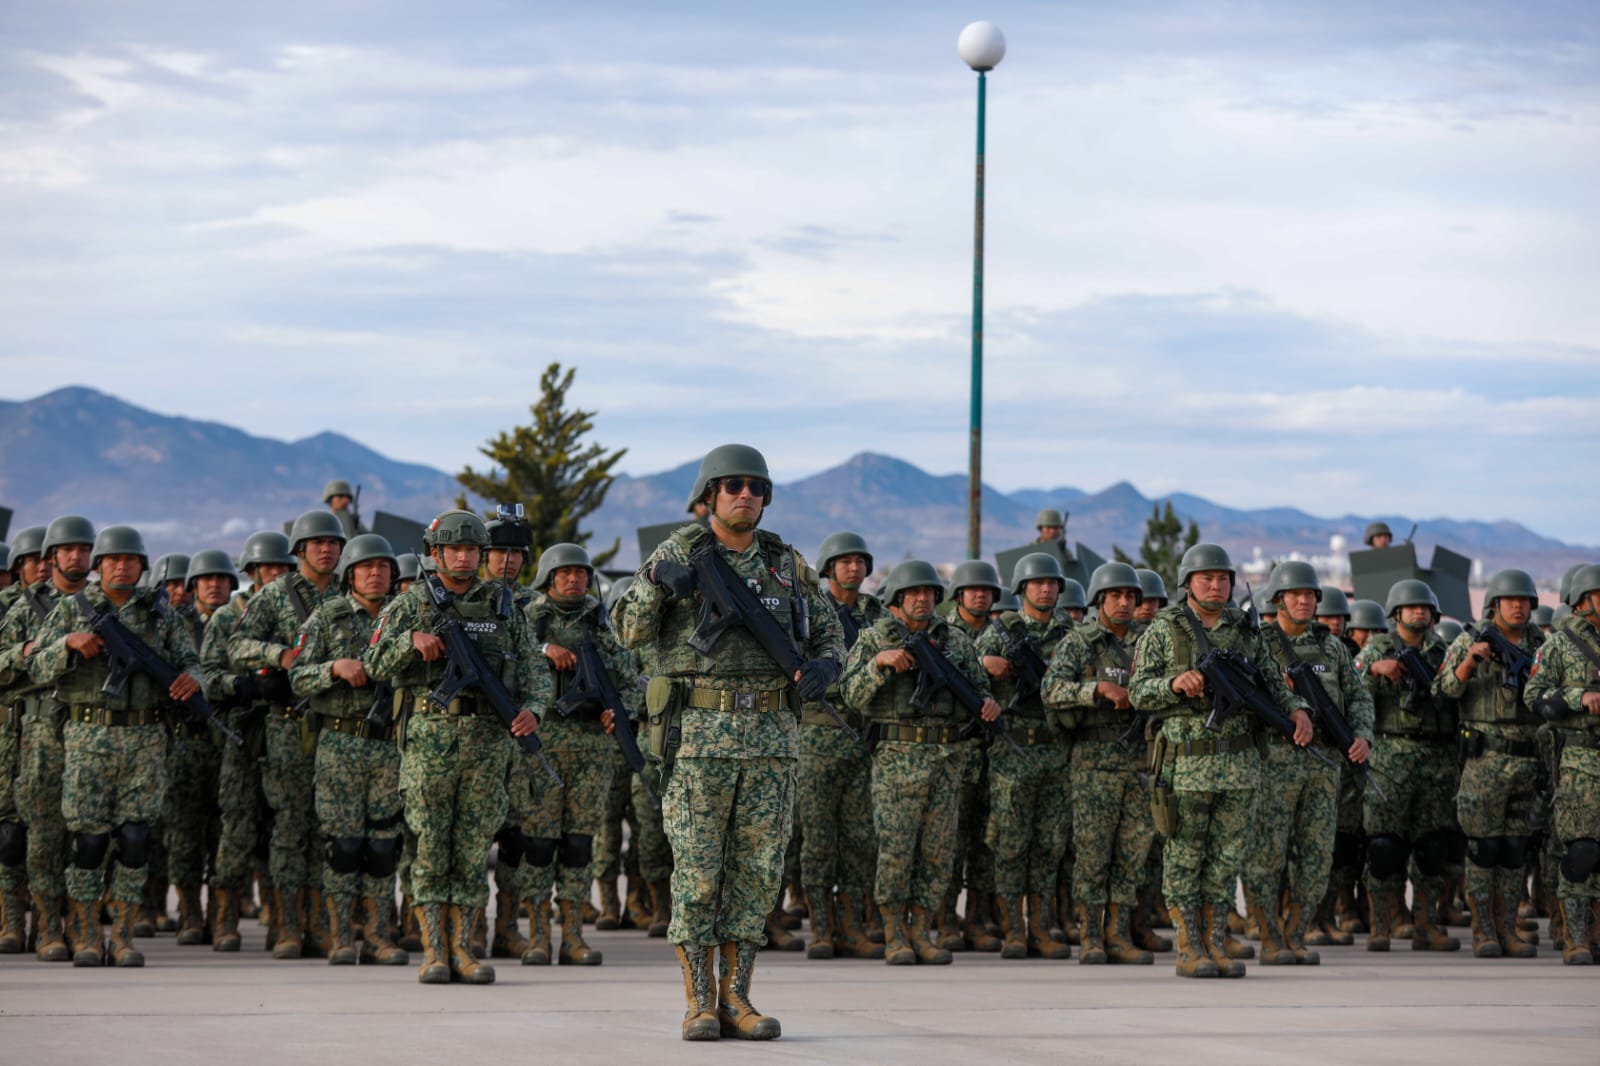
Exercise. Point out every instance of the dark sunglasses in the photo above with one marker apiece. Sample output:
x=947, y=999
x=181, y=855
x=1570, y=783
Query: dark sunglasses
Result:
x=758, y=486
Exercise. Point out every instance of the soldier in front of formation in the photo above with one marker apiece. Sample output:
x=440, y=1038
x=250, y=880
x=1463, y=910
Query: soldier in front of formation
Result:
x=24, y=567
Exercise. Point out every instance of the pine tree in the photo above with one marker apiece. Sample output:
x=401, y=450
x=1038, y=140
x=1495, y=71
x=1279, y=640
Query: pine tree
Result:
x=1165, y=541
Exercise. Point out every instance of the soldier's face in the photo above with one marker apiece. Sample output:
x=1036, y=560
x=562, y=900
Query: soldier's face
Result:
x=1042, y=593
x=267, y=573
x=504, y=562
x=1361, y=636
x=177, y=594
x=848, y=571
x=917, y=604
x=321, y=554
x=569, y=583
x=370, y=578
x=338, y=503
x=741, y=510
x=1416, y=616
x=458, y=558
x=977, y=600
x=1335, y=623
x=1382, y=540
x=1211, y=586
x=34, y=569
x=1118, y=606
x=72, y=560
x=1300, y=604
x=120, y=571
x=1514, y=610
x=1050, y=533
x=212, y=590
x=1147, y=610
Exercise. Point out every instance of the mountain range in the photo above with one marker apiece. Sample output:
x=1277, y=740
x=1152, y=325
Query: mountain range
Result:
x=189, y=484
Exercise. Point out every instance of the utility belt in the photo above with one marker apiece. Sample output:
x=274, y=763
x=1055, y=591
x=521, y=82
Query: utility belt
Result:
x=460, y=707
x=1474, y=744
x=284, y=710
x=918, y=734
x=1577, y=739
x=1399, y=734
x=105, y=716
x=1028, y=736
x=358, y=727
x=813, y=714
x=716, y=699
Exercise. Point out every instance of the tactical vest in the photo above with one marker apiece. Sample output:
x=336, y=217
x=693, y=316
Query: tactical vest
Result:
x=892, y=701
x=736, y=655
x=1030, y=710
x=42, y=595
x=1485, y=698
x=348, y=629
x=80, y=685
x=494, y=636
x=557, y=624
x=1185, y=655
x=1584, y=638
x=1316, y=653
x=1111, y=663
x=1429, y=717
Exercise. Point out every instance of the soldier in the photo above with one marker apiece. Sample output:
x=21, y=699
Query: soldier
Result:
x=617, y=809
x=728, y=807
x=1051, y=524
x=1152, y=908
x=165, y=578
x=1210, y=779
x=1366, y=620
x=343, y=503
x=1030, y=800
x=562, y=819
x=244, y=817
x=67, y=545
x=1414, y=754
x=1086, y=689
x=1501, y=772
x=1155, y=598
x=918, y=762
x=1349, y=843
x=453, y=757
x=410, y=567
x=1544, y=618
x=1377, y=535
x=1565, y=689
x=115, y=744
x=838, y=843
x=24, y=566
x=1073, y=601
x=265, y=639
x=357, y=764
x=1299, y=798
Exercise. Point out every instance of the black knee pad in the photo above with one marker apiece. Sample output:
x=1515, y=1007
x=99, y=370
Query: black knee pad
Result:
x=380, y=856
x=13, y=843
x=1386, y=856
x=1514, y=852
x=1581, y=860
x=1348, y=851
x=1484, y=851
x=1433, y=852
x=89, y=849
x=1457, y=854
x=344, y=855
x=539, y=851
x=133, y=844
x=577, y=850
x=512, y=846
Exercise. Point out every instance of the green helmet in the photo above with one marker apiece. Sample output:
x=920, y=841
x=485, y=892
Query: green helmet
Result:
x=28, y=541
x=1037, y=565
x=1560, y=614
x=171, y=567
x=835, y=545
x=208, y=563
x=1585, y=581
x=1072, y=596
x=1266, y=608
x=1448, y=629
x=1508, y=583
x=1154, y=588
x=409, y=565
x=361, y=548
x=1008, y=601
x=119, y=540
x=268, y=547
x=68, y=529
x=1410, y=593
x=1543, y=616
x=336, y=487
x=456, y=527
x=1367, y=614
x=557, y=556
x=730, y=460
x=1291, y=575
x=1203, y=557
x=618, y=587
x=1374, y=530
x=914, y=573
x=1108, y=576
x=1334, y=603
x=1049, y=517
x=1566, y=582
x=313, y=525
x=974, y=573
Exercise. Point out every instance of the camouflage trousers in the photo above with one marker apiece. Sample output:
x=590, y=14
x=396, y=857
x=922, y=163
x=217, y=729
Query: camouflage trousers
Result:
x=453, y=789
x=358, y=799
x=914, y=795
x=1204, y=856
x=1291, y=839
x=38, y=796
x=838, y=845
x=245, y=818
x=1577, y=814
x=728, y=821
x=1030, y=808
x=289, y=779
x=190, y=815
x=1495, y=798
x=653, y=855
x=13, y=875
x=1111, y=827
x=1420, y=777
x=973, y=860
x=510, y=869
x=567, y=815
x=610, y=857
x=115, y=776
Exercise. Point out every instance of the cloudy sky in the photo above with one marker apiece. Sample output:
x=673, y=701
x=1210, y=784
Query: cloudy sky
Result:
x=1336, y=256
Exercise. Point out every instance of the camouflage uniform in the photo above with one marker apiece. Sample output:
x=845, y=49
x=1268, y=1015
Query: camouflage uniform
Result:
x=13, y=831
x=189, y=817
x=42, y=752
x=974, y=859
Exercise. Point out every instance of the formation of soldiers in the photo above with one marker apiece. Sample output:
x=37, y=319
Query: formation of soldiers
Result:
x=346, y=733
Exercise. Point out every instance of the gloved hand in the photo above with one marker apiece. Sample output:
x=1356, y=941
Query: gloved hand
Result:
x=815, y=677
x=247, y=689
x=275, y=687
x=673, y=578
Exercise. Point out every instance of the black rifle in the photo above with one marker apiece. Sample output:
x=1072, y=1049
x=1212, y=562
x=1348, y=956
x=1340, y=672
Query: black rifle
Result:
x=1135, y=730
x=591, y=687
x=848, y=621
x=1309, y=687
x=127, y=655
x=726, y=601
x=1516, y=663
x=934, y=672
x=464, y=667
x=1027, y=668
x=1419, y=679
x=381, y=714
x=1236, y=682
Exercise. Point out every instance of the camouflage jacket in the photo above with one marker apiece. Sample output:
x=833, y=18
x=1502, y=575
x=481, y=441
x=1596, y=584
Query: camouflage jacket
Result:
x=865, y=614
x=270, y=624
x=1333, y=667
x=1429, y=717
x=880, y=694
x=1486, y=702
x=340, y=628
x=1044, y=637
x=78, y=680
x=20, y=624
x=1564, y=670
x=1086, y=656
x=567, y=626
x=216, y=670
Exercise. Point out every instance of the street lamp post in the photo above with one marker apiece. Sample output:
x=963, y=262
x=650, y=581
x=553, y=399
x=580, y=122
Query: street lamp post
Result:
x=981, y=46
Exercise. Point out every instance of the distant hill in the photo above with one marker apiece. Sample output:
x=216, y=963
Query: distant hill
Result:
x=189, y=484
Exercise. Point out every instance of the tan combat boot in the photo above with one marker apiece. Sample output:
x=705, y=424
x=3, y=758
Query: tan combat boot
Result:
x=1236, y=948
x=700, y=1016
x=410, y=931
x=610, y=916
x=464, y=965
x=83, y=933
x=1485, y=941
x=1091, y=931
x=538, y=952
x=1119, y=947
x=49, y=935
x=1575, y=913
x=1041, y=945
x=225, y=919
x=919, y=935
x=435, y=968
x=1056, y=917
x=974, y=924
x=478, y=935
x=873, y=924
x=735, y=1013
x=376, y=945
x=318, y=938
x=1013, y=927
x=191, y=919
x=1427, y=936
x=778, y=936
x=341, y=934
x=896, y=945
x=120, y=951
x=1193, y=959
x=574, y=950
x=508, y=941
x=1378, y=902
x=850, y=940
x=1511, y=941
x=660, y=918
x=1294, y=932
x=1216, y=941
x=13, y=924
x=948, y=925
x=1142, y=925
x=636, y=909
x=289, y=941
x=820, y=902
x=1274, y=949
